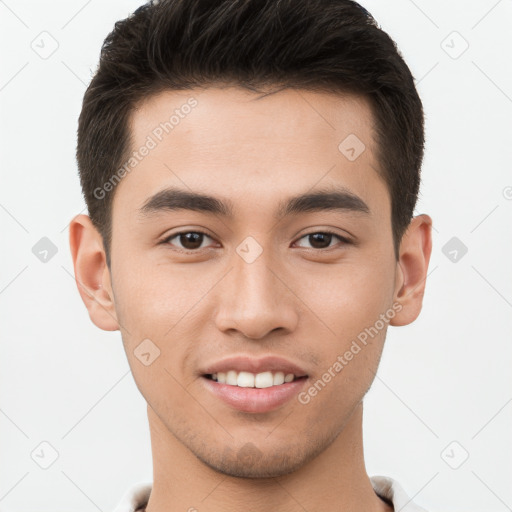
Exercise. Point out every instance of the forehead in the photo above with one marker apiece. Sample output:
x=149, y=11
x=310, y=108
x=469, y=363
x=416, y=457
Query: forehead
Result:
x=230, y=142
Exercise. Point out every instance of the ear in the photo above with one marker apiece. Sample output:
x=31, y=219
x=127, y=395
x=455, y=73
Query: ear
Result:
x=92, y=274
x=412, y=266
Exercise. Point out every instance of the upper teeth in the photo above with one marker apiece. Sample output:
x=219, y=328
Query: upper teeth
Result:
x=251, y=380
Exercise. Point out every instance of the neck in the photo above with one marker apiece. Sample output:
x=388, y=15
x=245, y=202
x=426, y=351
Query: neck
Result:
x=335, y=481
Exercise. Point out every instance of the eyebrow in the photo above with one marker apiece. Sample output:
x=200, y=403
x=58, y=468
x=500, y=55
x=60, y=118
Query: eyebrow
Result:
x=330, y=199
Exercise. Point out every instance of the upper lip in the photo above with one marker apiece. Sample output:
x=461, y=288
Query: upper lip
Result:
x=254, y=365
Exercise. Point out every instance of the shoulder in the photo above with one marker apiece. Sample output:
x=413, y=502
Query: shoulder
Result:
x=135, y=497
x=392, y=491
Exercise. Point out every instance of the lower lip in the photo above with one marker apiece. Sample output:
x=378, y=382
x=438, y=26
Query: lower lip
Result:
x=255, y=399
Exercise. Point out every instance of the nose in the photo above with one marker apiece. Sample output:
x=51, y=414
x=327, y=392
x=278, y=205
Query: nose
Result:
x=255, y=300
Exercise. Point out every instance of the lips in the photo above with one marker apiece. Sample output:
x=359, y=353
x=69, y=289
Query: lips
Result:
x=265, y=396
x=254, y=400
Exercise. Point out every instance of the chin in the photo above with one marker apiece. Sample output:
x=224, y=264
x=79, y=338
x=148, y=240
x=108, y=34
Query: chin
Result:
x=251, y=462
x=238, y=469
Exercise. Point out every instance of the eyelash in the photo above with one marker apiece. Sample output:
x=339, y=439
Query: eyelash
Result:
x=323, y=232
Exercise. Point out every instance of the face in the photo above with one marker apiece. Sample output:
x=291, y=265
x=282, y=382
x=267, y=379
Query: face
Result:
x=252, y=273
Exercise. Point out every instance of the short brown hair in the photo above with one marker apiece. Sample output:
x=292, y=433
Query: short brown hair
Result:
x=323, y=45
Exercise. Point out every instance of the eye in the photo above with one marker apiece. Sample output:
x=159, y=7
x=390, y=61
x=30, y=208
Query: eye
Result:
x=323, y=239
x=189, y=240
x=193, y=240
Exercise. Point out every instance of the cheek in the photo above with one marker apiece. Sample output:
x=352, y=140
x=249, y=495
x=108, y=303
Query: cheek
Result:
x=152, y=299
x=348, y=331
x=154, y=308
x=347, y=299
x=159, y=303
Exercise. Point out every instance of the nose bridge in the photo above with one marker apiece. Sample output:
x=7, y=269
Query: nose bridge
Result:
x=254, y=300
x=257, y=284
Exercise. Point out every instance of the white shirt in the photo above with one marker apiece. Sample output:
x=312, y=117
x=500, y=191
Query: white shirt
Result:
x=137, y=495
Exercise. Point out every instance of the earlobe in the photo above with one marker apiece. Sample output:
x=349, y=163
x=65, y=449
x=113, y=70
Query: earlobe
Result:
x=412, y=267
x=92, y=275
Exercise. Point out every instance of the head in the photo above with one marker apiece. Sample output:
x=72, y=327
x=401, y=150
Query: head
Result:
x=254, y=126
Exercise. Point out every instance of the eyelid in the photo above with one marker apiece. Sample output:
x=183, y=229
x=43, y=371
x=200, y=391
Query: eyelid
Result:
x=345, y=240
x=166, y=239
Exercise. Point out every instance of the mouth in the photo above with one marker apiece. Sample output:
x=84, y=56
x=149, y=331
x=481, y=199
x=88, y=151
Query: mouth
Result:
x=261, y=380
x=254, y=385
x=253, y=393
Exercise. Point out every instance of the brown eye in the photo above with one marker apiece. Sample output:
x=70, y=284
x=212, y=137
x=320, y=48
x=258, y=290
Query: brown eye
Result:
x=320, y=240
x=188, y=240
x=323, y=239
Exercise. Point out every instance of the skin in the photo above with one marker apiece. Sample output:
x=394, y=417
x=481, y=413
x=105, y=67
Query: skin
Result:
x=303, y=302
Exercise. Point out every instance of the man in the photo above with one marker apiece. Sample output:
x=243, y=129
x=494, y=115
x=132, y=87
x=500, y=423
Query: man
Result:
x=251, y=168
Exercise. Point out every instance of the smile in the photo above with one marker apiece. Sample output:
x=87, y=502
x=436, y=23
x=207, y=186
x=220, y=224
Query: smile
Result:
x=251, y=380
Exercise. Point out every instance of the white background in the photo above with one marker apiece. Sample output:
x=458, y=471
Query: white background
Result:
x=444, y=378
